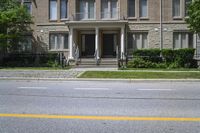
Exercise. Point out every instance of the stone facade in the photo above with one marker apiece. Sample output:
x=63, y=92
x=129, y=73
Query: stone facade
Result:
x=43, y=26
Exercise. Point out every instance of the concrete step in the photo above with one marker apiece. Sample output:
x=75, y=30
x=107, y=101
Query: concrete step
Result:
x=103, y=62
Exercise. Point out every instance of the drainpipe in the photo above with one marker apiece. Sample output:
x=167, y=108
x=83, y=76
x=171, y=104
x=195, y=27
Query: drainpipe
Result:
x=161, y=26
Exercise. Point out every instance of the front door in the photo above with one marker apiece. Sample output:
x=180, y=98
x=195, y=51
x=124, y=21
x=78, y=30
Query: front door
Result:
x=88, y=45
x=108, y=45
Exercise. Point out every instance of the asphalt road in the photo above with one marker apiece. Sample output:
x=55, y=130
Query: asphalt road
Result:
x=99, y=107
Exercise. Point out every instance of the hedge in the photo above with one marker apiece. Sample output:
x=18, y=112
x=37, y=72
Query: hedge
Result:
x=166, y=58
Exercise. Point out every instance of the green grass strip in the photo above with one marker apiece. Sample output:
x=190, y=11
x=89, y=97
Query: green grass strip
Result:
x=140, y=75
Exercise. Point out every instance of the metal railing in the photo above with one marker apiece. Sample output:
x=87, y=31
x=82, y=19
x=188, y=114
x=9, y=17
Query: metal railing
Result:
x=76, y=55
x=97, y=60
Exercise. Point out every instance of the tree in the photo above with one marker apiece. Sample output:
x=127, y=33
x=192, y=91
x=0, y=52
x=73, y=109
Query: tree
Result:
x=194, y=16
x=14, y=23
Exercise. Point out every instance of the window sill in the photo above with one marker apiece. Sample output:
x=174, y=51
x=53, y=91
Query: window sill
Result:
x=132, y=18
x=59, y=50
x=144, y=18
x=64, y=19
x=177, y=18
x=53, y=20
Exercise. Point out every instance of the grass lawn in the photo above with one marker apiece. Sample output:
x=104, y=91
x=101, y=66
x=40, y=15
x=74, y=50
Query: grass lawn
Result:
x=33, y=68
x=162, y=69
x=140, y=75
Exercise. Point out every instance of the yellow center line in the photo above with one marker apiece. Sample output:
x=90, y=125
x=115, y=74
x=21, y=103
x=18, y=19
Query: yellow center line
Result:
x=113, y=118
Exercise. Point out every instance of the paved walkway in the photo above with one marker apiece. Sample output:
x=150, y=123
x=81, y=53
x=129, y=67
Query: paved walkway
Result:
x=71, y=73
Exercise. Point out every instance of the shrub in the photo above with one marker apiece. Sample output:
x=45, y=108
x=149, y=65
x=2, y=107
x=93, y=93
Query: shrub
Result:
x=140, y=63
x=168, y=55
x=152, y=55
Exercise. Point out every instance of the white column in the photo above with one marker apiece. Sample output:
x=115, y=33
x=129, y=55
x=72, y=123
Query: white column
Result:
x=97, y=41
x=122, y=43
x=71, y=43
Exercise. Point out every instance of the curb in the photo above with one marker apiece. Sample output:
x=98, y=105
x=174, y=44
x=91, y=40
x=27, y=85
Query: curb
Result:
x=99, y=79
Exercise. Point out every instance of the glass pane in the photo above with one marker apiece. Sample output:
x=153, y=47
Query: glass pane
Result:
x=131, y=8
x=190, y=40
x=53, y=9
x=82, y=14
x=176, y=8
x=144, y=40
x=66, y=42
x=184, y=40
x=64, y=9
x=114, y=9
x=91, y=8
x=176, y=40
x=59, y=41
x=137, y=41
x=28, y=6
x=104, y=9
x=52, y=41
x=130, y=41
x=143, y=8
x=187, y=3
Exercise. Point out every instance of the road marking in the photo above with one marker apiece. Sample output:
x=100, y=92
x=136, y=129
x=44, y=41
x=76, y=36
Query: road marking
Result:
x=112, y=118
x=91, y=89
x=154, y=89
x=32, y=87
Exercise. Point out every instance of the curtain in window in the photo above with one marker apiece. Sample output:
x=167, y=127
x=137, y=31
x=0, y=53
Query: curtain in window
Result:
x=131, y=8
x=143, y=8
x=138, y=41
x=64, y=9
x=184, y=40
x=176, y=8
x=53, y=9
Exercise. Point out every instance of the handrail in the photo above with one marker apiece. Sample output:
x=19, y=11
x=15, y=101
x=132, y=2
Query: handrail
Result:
x=76, y=55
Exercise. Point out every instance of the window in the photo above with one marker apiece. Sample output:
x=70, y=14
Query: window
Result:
x=182, y=40
x=137, y=40
x=28, y=5
x=187, y=3
x=131, y=8
x=58, y=41
x=87, y=9
x=109, y=9
x=26, y=44
x=143, y=8
x=176, y=8
x=63, y=9
x=53, y=10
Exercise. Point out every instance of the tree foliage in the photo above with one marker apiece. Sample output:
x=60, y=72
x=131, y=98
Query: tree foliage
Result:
x=14, y=22
x=194, y=16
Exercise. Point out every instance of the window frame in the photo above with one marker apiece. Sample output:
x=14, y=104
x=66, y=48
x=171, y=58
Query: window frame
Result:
x=62, y=46
x=67, y=10
x=30, y=2
x=56, y=10
x=180, y=10
x=128, y=11
x=109, y=4
x=188, y=36
x=147, y=16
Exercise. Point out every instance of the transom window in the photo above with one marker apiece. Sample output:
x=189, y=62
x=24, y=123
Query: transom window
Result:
x=58, y=41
